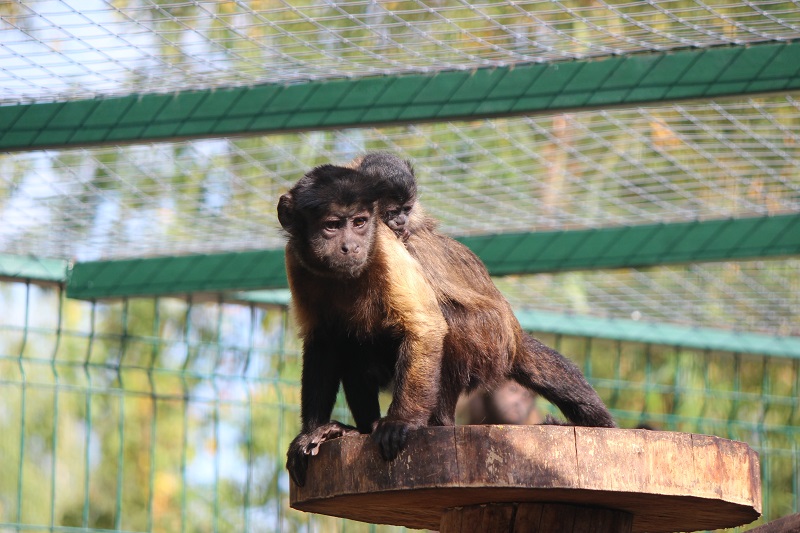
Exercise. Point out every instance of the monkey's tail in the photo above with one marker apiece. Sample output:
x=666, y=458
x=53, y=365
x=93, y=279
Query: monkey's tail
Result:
x=558, y=380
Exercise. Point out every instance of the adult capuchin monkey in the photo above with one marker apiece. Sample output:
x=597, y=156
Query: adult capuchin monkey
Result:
x=370, y=312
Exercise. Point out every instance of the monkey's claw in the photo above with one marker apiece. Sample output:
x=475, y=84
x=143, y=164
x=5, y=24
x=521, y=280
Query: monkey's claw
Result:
x=307, y=444
x=331, y=430
x=390, y=436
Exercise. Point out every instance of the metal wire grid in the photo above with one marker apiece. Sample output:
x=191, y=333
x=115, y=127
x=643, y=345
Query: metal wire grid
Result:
x=168, y=415
x=589, y=169
x=753, y=296
x=66, y=49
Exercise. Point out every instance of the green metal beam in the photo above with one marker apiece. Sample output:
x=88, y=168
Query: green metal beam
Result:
x=523, y=253
x=36, y=269
x=659, y=333
x=190, y=274
x=638, y=246
x=487, y=92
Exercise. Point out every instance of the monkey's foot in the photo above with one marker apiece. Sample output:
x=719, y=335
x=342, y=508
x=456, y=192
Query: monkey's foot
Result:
x=550, y=420
x=307, y=444
x=391, y=436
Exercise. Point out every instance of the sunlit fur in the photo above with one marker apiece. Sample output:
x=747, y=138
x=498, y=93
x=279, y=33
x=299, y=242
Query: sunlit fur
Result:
x=485, y=344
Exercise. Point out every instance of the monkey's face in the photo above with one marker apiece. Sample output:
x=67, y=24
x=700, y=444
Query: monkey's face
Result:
x=341, y=240
x=395, y=215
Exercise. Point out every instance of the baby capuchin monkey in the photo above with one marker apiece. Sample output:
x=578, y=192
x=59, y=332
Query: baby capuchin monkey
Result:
x=399, y=207
x=486, y=344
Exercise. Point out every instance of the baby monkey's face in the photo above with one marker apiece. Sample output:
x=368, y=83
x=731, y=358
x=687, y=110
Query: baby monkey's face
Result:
x=396, y=215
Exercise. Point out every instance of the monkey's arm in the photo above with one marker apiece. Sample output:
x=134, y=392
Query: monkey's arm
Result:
x=362, y=398
x=414, y=307
x=319, y=385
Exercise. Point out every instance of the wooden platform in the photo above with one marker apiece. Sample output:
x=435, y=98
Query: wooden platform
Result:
x=662, y=481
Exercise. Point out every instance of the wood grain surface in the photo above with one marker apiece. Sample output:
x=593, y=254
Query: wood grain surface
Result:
x=666, y=481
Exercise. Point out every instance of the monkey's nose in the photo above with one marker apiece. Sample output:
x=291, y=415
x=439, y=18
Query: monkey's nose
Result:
x=348, y=248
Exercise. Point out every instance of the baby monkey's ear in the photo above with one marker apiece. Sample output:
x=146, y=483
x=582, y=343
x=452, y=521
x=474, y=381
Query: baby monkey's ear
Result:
x=286, y=211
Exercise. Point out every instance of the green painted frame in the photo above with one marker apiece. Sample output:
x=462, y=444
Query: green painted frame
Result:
x=487, y=92
x=659, y=333
x=522, y=253
x=41, y=270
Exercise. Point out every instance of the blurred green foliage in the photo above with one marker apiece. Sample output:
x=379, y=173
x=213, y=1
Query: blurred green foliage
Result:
x=172, y=415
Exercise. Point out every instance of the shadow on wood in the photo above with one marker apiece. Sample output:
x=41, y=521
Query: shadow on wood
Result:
x=633, y=480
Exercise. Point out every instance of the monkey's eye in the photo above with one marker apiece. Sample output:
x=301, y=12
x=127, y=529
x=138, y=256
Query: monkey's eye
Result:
x=407, y=209
x=331, y=225
x=359, y=222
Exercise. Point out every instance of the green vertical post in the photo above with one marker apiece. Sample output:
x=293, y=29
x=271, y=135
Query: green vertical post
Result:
x=121, y=425
x=214, y=386
x=617, y=375
x=153, y=398
x=56, y=380
x=677, y=388
x=737, y=388
x=185, y=443
x=23, y=399
x=249, y=430
x=648, y=386
x=88, y=407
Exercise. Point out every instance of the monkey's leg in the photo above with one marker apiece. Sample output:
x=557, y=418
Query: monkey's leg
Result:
x=450, y=388
x=362, y=398
x=547, y=372
x=445, y=412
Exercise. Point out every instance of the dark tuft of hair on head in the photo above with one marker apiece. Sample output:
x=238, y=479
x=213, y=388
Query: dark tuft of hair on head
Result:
x=332, y=184
x=396, y=175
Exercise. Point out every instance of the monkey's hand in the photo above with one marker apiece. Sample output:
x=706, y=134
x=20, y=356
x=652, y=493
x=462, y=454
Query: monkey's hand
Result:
x=390, y=436
x=307, y=444
x=331, y=430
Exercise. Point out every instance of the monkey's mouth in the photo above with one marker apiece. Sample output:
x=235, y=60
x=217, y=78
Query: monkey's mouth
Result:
x=347, y=266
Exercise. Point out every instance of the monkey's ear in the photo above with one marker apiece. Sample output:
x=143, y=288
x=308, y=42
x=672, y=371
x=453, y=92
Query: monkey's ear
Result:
x=286, y=211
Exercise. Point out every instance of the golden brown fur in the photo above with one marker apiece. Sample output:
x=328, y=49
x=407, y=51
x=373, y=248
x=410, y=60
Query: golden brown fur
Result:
x=485, y=344
x=425, y=314
x=484, y=335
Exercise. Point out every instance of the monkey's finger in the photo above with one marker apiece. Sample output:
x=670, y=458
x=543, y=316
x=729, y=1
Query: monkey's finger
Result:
x=398, y=441
x=297, y=465
x=380, y=435
x=391, y=438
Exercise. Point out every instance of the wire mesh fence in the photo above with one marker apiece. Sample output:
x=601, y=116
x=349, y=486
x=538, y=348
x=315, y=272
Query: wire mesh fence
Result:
x=66, y=49
x=579, y=170
x=174, y=415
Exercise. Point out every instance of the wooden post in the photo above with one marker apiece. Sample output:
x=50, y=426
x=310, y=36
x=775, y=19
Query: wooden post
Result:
x=534, y=518
x=467, y=479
